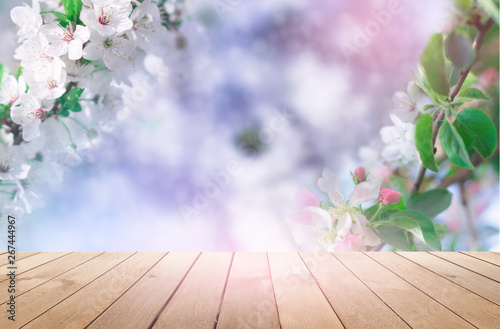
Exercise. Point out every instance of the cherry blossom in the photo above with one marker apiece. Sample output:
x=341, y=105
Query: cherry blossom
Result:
x=66, y=40
x=146, y=24
x=28, y=113
x=388, y=196
x=108, y=18
x=50, y=87
x=400, y=140
x=38, y=60
x=305, y=198
x=11, y=89
x=336, y=223
x=12, y=165
x=407, y=106
x=114, y=50
x=28, y=19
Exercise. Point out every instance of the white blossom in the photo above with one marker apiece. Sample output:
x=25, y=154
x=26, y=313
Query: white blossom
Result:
x=407, y=106
x=146, y=24
x=28, y=19
x=66, y=40
x=12, y=164
x=114, y=50
x=50, y=87
x=108, y=19
x=28, y=113
x=400, y=140
x=38, y=60
x=11, y=89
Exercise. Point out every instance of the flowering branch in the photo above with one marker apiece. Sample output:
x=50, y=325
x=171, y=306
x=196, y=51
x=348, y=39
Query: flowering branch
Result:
x=482, y=31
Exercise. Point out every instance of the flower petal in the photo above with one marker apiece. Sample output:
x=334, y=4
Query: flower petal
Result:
x=353, y=242
x=363, y=228
x=344, y=225
x=320, y=218
x=366, y=191
x=329, y=184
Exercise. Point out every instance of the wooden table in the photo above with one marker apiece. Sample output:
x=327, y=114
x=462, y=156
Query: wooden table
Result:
x=253, y=290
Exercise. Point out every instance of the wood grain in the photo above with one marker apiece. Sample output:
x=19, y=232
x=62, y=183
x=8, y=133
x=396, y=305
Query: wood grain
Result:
x=471, y=307
x=489, y=257
x=300, y=301
x=473, y=264
x=356, y=305
x=474, y=282
x=416, y=308
x=249, y=298
x=38, y=300
x=79, y=309
x=139, y=306
x=41, y=274
x=196, y=303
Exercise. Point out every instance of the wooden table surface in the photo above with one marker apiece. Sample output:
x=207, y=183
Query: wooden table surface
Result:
x=253, y=290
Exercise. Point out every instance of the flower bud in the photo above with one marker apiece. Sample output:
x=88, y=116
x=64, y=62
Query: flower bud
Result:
x=359, y=175
x=388, y=196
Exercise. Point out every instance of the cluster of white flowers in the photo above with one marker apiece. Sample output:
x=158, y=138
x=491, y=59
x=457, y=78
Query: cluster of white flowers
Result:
x=66, y=89
x=400, y=137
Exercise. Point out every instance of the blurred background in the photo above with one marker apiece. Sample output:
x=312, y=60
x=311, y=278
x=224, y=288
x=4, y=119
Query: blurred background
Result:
x=217, y=137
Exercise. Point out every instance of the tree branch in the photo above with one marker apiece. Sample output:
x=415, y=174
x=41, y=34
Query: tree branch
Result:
x=481, y=34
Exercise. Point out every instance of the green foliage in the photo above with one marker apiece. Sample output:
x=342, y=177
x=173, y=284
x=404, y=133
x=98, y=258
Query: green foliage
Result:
x=60, y=16
x=472, y=93
x=454, y=146
x=492, y=9
x=431, y=202
x=70, y=102
x=423, y=141
x=459, y=50
x=3, y=69
x=464, y=6
x=419, y=224
x=432, y=61
x=72, y=9
x=477, y=130
x=394, y=236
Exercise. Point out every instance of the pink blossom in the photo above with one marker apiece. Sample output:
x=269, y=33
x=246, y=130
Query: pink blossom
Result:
x=305, y=198
x=388, y=196
x=359, y=174
x=353, y=242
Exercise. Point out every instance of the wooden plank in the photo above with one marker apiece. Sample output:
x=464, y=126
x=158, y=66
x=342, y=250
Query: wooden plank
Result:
x=19, y=255
x=355, y=304
x=300, y=301
x=475, y=265
x=474, y=282
x=81, y=308
x=45, y=296
x=416, y=308
x=138, y=307
x=41, y=274
x=249, y=297
x=471, y=307
x=489, y=257
x=28, y=263
x=196, y=303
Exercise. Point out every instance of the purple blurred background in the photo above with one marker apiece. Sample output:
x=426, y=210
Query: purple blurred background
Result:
x=271, y=90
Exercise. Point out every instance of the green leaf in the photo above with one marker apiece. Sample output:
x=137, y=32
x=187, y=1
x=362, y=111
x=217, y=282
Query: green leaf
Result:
x=464, y=6
x=459, y=50
x=60, y=16
x=432, y=61
x=419, y=224
x=431, y=202
x=423, y=141
x=473, y=93
x=394, y=236
x=70, y=101
x=3, y=69
x=454, y=146
x=72, y=9
x=491, y=7
x=477, y=131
